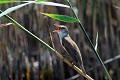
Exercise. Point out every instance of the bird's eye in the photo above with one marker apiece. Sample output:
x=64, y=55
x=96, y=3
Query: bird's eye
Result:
x=62, y=28
x=59, y=28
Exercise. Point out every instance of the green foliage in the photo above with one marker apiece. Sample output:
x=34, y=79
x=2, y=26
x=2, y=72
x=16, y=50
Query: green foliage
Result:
x=9, y=10
x=61, y=17
x=7, y=1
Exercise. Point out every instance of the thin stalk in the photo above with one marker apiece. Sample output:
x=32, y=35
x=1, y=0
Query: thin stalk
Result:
x=48, y=47
x=90, y=42
x=95, y=67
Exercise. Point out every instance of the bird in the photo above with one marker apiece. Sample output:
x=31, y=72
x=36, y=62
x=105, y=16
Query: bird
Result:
x=69, y=45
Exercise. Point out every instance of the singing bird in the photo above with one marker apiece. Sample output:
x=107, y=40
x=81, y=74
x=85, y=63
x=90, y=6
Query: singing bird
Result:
x=69, y=45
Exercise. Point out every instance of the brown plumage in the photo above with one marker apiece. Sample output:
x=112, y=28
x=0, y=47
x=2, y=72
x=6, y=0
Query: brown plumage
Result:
x=69, y=45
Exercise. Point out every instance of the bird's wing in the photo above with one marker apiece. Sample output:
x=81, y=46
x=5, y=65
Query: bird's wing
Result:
x=71, y=48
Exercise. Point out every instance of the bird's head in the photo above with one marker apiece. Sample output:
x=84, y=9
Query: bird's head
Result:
x=61, y=30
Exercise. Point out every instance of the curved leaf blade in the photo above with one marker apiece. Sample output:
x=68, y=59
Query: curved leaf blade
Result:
x=63, y=18
x=96, y=42
x=39, y=0
x=28, y=2
x=52, y=4
x=13, y=9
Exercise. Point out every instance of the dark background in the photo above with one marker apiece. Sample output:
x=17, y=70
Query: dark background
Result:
x=23, y=58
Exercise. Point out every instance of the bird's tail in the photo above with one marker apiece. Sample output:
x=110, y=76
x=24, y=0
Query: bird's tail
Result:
x=82, y=68
x=80, y=62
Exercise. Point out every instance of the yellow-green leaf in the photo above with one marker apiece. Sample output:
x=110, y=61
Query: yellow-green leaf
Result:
x=7, y=1
x=63, y=18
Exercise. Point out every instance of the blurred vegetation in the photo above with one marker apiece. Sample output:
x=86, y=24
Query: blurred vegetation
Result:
x=22, y=58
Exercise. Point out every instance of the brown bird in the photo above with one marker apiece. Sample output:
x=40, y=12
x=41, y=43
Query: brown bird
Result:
x=69, y=45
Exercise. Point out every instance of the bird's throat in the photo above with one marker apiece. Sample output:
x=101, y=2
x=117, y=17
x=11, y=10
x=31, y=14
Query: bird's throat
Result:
x=62, y=35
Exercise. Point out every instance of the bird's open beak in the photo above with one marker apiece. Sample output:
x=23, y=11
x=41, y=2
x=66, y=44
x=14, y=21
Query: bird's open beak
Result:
x=58, y=28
